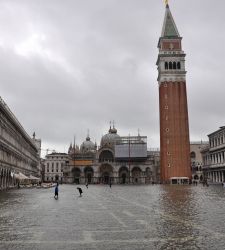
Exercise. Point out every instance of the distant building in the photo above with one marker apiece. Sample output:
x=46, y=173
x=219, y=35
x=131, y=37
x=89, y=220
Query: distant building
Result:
x=174, y=127
x=53, y=165
x=118, y=160
x=214, y=156
x=18, y=152
x=197, y=160
x=37, y=142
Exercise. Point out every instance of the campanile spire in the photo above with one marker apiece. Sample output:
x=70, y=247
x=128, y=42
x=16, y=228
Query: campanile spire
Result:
x=169, y=27
x=174, y=128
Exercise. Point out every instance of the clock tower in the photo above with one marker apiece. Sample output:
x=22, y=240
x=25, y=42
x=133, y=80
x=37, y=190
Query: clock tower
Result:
x=174, y=128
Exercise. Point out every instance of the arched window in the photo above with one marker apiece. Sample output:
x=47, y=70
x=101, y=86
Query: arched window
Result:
x=178, y=65
x=166, y=65
x=170, y=65
x=193, y=155
x=106, y=155
x=174, y=65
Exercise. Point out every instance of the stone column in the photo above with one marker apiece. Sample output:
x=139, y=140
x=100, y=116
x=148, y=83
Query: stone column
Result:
x=5, y=179
x=82, y=178
x=0, y=182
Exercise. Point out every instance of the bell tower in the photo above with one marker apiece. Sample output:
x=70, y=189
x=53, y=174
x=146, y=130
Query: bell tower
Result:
x=174, y=128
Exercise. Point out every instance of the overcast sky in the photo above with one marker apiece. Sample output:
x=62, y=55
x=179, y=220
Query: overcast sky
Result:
x=67, y=66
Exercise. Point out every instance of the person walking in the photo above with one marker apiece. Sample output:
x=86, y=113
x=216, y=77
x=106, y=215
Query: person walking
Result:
x=87, y=185
x=80, y=191
x=56, y=191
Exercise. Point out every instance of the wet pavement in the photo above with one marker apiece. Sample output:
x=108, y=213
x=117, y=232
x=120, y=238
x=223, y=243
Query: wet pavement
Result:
x=123, y=217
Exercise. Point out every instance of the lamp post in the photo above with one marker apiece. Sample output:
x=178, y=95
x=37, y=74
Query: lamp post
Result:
x=129, y=159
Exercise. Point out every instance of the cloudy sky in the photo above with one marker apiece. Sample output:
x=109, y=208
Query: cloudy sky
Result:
x=73, y=65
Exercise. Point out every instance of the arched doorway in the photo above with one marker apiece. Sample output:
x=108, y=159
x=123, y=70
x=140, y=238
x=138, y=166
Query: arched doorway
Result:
x=106, y=173
x=136, y=175
x=148, y=173
x=89, y=173
x=123, y=175
x=76, y=175
x=56, y=177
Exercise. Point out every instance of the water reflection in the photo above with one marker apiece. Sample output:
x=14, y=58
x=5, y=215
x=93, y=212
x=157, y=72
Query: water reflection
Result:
x=190, y=214
x=177, y=208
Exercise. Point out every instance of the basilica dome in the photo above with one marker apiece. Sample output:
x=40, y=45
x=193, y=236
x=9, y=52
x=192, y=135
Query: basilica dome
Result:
x=110, y=138
x=87, y=145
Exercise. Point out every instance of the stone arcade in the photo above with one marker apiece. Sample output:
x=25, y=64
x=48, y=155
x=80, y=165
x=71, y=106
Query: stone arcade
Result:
x=118, y=160
x=18, y=153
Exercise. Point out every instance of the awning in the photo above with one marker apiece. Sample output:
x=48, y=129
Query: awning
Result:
x=179, y=178
x=34, y=178
x=21, y=176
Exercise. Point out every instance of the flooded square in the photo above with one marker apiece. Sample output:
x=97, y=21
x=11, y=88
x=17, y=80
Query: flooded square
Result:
x=121, y=217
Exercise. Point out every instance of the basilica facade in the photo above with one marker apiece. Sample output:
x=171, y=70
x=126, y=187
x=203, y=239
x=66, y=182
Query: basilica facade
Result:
x=117, y=160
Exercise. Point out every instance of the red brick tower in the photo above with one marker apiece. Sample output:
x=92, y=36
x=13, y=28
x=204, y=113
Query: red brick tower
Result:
x=174, y=129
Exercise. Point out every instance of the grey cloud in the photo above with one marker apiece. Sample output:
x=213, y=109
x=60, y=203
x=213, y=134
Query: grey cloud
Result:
x=67, y=66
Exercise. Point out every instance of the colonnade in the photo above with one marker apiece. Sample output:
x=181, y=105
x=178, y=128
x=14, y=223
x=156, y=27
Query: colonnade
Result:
x=214, y=158
x=217, y=176
x=108, y=173
x=6, y=179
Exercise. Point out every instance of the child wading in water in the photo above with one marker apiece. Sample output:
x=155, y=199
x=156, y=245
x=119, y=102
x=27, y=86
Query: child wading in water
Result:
x=80, y=191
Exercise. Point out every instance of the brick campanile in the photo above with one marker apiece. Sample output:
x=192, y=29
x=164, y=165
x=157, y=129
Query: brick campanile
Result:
x=174, y=128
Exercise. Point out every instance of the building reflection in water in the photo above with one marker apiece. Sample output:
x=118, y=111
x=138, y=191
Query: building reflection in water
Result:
x=178, y=214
